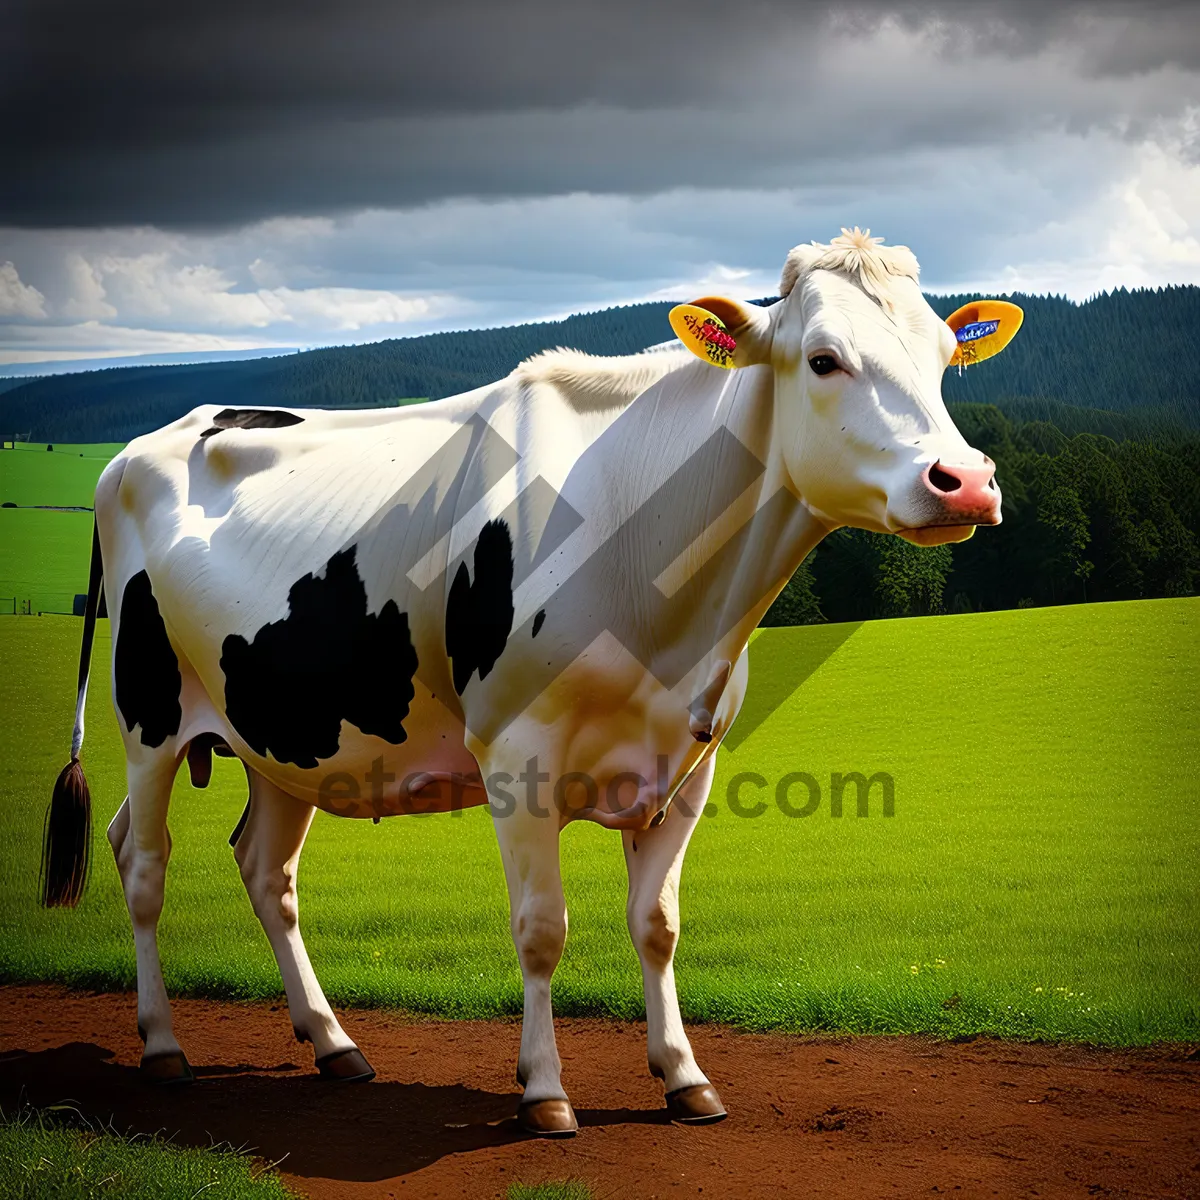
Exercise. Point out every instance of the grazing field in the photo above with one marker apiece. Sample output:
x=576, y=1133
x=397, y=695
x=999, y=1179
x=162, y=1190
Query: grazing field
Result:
x=44, y=556
x=44, y=553
x=1037, y=878
x=41, y=1159
x=63, y=476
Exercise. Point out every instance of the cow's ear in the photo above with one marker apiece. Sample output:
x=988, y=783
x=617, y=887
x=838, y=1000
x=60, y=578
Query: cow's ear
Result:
x=724, y=332
x=983, y=328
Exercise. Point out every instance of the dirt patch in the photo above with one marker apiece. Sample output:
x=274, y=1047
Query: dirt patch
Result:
x=848, y=1117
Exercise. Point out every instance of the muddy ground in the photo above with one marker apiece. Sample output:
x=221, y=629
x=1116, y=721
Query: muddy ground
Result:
x=870, y=1117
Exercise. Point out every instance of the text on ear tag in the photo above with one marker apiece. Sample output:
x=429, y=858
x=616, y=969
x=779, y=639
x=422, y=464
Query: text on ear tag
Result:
x=982, y=329
x=704, y=334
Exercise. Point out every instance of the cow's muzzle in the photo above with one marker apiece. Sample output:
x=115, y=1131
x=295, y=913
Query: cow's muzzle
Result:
x=961, y=495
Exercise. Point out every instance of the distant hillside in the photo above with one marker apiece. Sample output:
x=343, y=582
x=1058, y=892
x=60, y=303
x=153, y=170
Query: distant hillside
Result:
x=1119, y=351
x=1123, y=351
x=24, y=372
x=115, y=405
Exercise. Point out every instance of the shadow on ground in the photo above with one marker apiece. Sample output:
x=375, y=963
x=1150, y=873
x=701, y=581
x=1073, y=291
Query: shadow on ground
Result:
x=336, y=1131
x=774, y=676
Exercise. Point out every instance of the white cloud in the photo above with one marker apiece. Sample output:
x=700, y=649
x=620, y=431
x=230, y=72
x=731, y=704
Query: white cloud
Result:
x=86, y=298
x=1138, y=231
x=339, y=309
x=91, y=339
x=160, y=299
x=1154, y=234
x=16, y=298
x=155, y=287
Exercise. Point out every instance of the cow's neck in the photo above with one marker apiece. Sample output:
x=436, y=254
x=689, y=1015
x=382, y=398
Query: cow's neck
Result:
x=749, y=548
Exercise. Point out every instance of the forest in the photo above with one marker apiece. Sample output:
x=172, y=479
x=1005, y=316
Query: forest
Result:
x=1086, y=517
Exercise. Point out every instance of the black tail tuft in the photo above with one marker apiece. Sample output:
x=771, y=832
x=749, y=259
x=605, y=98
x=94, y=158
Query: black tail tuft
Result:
x=67, y=844
x=241, y=825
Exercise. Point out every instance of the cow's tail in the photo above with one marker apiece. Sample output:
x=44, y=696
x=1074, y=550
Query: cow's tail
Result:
x=67, y=840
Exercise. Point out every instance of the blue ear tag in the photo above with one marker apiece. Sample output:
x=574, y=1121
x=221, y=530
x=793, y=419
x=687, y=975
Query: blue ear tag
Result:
x=976, y=330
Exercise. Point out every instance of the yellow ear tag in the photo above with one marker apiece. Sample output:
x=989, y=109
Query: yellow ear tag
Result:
x=704, y=334
x=983, y=328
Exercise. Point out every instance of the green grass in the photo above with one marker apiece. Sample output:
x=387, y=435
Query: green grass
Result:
x=44, y=554
x=1038, y=878
x=567, y=1189
x=66, y=476
x=43, y=1160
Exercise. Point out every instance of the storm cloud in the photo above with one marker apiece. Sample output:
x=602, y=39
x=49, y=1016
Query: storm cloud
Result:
x=222, y=112
x=230, y=175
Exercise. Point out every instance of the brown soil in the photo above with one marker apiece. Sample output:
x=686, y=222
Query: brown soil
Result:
x=869, y=1117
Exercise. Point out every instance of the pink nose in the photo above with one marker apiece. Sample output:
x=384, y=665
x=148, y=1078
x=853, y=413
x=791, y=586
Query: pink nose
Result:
x=968, y=492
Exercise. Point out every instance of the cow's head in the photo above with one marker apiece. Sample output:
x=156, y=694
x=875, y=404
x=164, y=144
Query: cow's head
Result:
x=858, y=357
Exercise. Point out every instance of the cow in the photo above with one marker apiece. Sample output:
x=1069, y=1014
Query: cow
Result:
x=536, y=596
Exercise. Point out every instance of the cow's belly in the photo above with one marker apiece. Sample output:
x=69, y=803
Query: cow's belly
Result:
x=430, y=770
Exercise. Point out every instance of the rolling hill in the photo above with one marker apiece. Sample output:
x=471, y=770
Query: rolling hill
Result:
x=1123, y=352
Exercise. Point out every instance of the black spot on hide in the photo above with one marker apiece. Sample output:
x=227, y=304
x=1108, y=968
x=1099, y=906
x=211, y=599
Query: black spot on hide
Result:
x=144, y=664
x=288, y=691
x=538, y=621
x=479, y=615
x=250, y=418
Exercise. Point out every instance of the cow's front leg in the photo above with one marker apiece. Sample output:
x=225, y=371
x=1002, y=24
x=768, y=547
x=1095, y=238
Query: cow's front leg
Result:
x=538, y=919
x=654, y=858
x=268, y=856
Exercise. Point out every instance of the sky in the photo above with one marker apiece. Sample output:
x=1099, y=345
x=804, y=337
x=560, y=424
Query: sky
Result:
x=221, y=175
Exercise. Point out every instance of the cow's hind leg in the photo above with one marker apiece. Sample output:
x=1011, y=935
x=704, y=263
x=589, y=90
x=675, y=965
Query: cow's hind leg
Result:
x=142, y=845
x=654, y=858
x=267, y=850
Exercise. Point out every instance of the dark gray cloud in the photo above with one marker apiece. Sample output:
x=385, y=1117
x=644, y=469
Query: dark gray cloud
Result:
x=225, y=111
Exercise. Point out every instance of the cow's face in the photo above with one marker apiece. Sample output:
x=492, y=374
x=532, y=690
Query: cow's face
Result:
x=864, y=431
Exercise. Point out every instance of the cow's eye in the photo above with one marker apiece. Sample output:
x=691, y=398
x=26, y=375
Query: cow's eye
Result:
x=823, y=364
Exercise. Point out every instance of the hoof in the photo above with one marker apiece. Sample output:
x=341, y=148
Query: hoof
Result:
x=162, y=1069
x=346, y=1066
x=548, y=1118
x=696, y=1105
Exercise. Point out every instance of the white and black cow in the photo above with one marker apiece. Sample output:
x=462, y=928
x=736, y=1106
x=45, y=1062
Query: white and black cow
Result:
x=537, y=594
